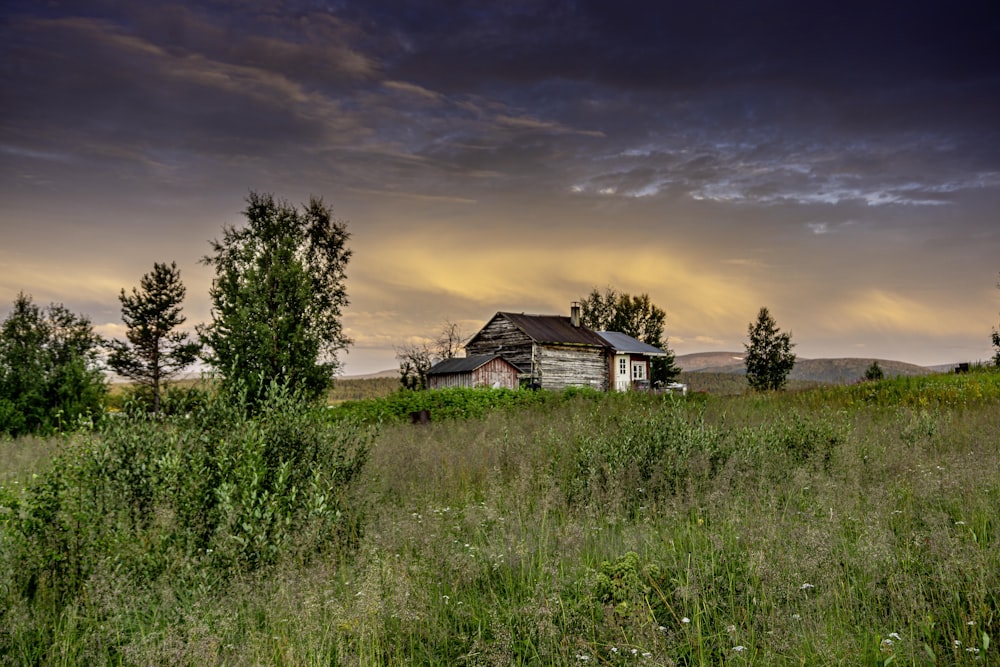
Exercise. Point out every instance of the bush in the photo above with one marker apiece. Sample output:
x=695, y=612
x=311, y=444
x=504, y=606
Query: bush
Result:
x=206, y=496
x=452, y=403
x=174, y=399
x=640, y=454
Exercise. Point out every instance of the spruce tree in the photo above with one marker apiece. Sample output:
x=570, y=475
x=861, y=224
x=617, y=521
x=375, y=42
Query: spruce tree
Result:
x=769, y=358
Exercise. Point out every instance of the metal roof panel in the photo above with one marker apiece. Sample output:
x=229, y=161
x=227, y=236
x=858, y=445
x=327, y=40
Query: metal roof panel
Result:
x=555, y=329
x=628, y=345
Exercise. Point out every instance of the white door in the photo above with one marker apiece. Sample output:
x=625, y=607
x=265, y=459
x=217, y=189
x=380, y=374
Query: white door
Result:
x=623, y=379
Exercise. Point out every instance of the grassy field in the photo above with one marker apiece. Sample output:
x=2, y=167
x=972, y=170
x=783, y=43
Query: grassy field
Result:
x=832, y=526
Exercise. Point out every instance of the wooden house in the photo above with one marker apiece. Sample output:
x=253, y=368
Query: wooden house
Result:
x=630, y=361
x=484, y=370
x=550, y=351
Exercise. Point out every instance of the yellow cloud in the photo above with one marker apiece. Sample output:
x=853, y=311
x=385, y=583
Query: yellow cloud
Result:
x=883, y=310
x=543, y=275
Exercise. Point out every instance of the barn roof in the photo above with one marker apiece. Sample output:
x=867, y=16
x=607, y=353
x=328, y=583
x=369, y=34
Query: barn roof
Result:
x=553, y=329
x=628, y=345
x=461, y=364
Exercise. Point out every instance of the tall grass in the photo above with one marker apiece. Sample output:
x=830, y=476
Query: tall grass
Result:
x=819, y=528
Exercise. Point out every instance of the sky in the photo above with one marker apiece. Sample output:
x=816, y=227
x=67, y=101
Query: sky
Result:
x=837, y=162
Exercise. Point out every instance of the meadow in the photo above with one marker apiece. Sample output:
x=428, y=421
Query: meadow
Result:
x=852, y=525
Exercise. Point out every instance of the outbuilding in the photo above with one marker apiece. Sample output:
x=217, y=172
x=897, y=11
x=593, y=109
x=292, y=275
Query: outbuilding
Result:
x=482, y=370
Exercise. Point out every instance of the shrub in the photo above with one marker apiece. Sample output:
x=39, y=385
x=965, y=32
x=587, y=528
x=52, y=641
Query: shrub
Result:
x=640, y=454
x=452, y=403
x=213, y=494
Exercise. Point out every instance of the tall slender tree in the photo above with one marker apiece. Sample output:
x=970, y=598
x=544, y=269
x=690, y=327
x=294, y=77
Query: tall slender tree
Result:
x=635, y=316
x=769, y=358
x=277, y=298
x=155, y=350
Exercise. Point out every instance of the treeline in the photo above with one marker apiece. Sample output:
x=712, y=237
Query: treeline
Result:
x=277, y=299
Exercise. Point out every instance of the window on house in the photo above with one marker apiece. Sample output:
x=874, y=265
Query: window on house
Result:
x=638, y=370
x=622, y=366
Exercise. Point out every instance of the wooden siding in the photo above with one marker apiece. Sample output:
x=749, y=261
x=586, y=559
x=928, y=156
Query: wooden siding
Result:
x=500, y=336
x=495, y=372
x=559, y=367
x=552, y=365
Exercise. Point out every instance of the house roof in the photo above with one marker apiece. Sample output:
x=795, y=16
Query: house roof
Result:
x=553, y=329
x=628, y=345
x=462, y=364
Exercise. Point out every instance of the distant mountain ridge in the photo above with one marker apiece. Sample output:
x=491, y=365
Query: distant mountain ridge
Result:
x=836, y=371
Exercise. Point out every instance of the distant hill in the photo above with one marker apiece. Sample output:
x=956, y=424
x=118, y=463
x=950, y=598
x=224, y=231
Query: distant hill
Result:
x=389, y=373
x=833, y=371
x=703, y=361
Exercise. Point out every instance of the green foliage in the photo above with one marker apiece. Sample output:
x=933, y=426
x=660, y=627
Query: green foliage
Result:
x=800, y=528
x=874, y=372
x=176, y=399
x=154, y=351
x=277, y=298
x=618, y=582
x=652, y=451
x=634, y=316
x=769, y=358
x=451, y=403
x=644, y=453
x=50, y=378
x=978, y=387
x=996, y=348
x=208, y=496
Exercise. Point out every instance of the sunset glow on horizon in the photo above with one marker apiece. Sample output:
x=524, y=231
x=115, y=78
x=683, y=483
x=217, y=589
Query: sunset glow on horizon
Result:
x=838, y=164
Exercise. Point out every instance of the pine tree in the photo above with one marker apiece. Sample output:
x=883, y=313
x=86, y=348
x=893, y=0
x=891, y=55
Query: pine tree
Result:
x=154, y=352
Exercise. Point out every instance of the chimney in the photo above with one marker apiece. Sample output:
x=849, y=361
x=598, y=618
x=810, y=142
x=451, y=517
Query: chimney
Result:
x=574, y=314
